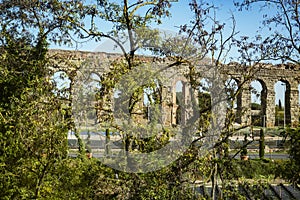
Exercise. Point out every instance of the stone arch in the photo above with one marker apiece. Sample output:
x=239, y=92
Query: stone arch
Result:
x=282, y=90
x=258, y=91
x=70, y=61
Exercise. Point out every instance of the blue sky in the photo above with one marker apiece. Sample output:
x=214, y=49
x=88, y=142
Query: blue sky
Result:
x=247, y=23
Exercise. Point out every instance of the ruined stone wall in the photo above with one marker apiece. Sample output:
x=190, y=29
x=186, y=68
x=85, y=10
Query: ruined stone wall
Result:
x=72, y=62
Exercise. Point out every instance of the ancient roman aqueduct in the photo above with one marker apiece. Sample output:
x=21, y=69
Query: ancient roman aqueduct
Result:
x=266, y=74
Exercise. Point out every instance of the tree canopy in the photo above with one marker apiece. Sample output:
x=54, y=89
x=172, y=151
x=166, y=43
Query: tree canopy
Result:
x=34, y=122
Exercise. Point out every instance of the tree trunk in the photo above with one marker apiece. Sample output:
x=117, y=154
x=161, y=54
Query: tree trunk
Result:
x=261, y=144
x=107, y=140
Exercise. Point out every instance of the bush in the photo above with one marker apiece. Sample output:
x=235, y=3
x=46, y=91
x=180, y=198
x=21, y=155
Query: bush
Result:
x=252, y=169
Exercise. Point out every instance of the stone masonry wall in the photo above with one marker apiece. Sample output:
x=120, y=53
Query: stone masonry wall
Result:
x=72, y=61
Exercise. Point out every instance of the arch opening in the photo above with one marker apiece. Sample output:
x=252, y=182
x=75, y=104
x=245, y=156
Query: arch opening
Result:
x=204, y=102
x=87, y=92
x=234, y=100
x=258, y=103
x=282, y=103
x=178, y=102
x=92, y=86
x=61, y=84
x=152, y=97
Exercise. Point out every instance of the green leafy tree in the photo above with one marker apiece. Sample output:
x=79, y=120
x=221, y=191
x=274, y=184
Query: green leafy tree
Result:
x=33, y=127
x=38, y=21
x=261, y=144
x=196, y=42
x=291, y=170
x=32, y=141
x=279, y=105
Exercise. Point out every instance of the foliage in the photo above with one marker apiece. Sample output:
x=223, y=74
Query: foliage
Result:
x=196, y=41
x=279, y=105
x=34, y=122
x=255, y=106
x=282, y=42
x=33, y=127
x=291, y=169
x=261, y=144
x=279, y=116
x=129, y=21
x=31, y=139
x=38, y=20
x=244, y=150
x=253, y=169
